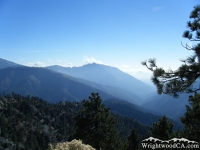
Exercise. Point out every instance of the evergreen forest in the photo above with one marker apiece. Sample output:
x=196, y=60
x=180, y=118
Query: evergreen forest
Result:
x=31, y=123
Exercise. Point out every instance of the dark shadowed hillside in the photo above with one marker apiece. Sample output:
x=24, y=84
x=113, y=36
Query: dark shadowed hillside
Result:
x=132, y=111
x=49, y=85
x=168, y=105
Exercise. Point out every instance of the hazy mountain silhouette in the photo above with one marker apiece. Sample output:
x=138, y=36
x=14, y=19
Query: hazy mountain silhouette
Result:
x=5, y=64
x=107, y=75
x=110, y=90
x=114, y=91
x=44, y=83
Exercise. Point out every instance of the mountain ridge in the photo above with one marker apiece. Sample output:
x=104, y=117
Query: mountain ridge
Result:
x=34, y=84
x=45, y=83
x=107, y=75
x=133, y=111
x=168, y=105
x=116, y=92
x=5, y=64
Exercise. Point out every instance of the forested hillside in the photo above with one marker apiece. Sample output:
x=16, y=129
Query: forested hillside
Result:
x=32, y=123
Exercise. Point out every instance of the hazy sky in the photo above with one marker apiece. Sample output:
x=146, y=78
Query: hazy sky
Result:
x=119, y=33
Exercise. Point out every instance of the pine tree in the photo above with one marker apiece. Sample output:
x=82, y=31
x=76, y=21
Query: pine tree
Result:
x=133, y=140
x=163, y=129
x=191, y=119
x=181, y=80
x=95, y=126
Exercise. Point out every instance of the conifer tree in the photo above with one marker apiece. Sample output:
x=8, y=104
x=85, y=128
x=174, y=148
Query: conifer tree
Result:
x=163, y=129
x=133, y=140
x=181, y=80
x=191, y=119
x=95, y=126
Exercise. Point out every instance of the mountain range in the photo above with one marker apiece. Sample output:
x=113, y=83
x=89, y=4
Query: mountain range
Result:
x=145, y=95
x=56, y=83
x=109, y=76
x=93, y=77
x=44, y=83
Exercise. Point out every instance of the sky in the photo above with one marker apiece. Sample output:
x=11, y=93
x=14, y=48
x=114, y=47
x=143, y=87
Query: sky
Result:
x=118, y=33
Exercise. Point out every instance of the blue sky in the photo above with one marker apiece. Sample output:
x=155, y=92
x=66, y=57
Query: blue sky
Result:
x=119, y=33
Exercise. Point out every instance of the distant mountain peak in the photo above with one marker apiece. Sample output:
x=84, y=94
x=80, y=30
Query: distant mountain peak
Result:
x=94, y=64
x=109, y=76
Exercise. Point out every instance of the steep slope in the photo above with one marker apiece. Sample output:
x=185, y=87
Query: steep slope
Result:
x=132, y=111
x=107, y=75
x=114, y=91
x=168, y=105
x=5, y=64
x=49, y=85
